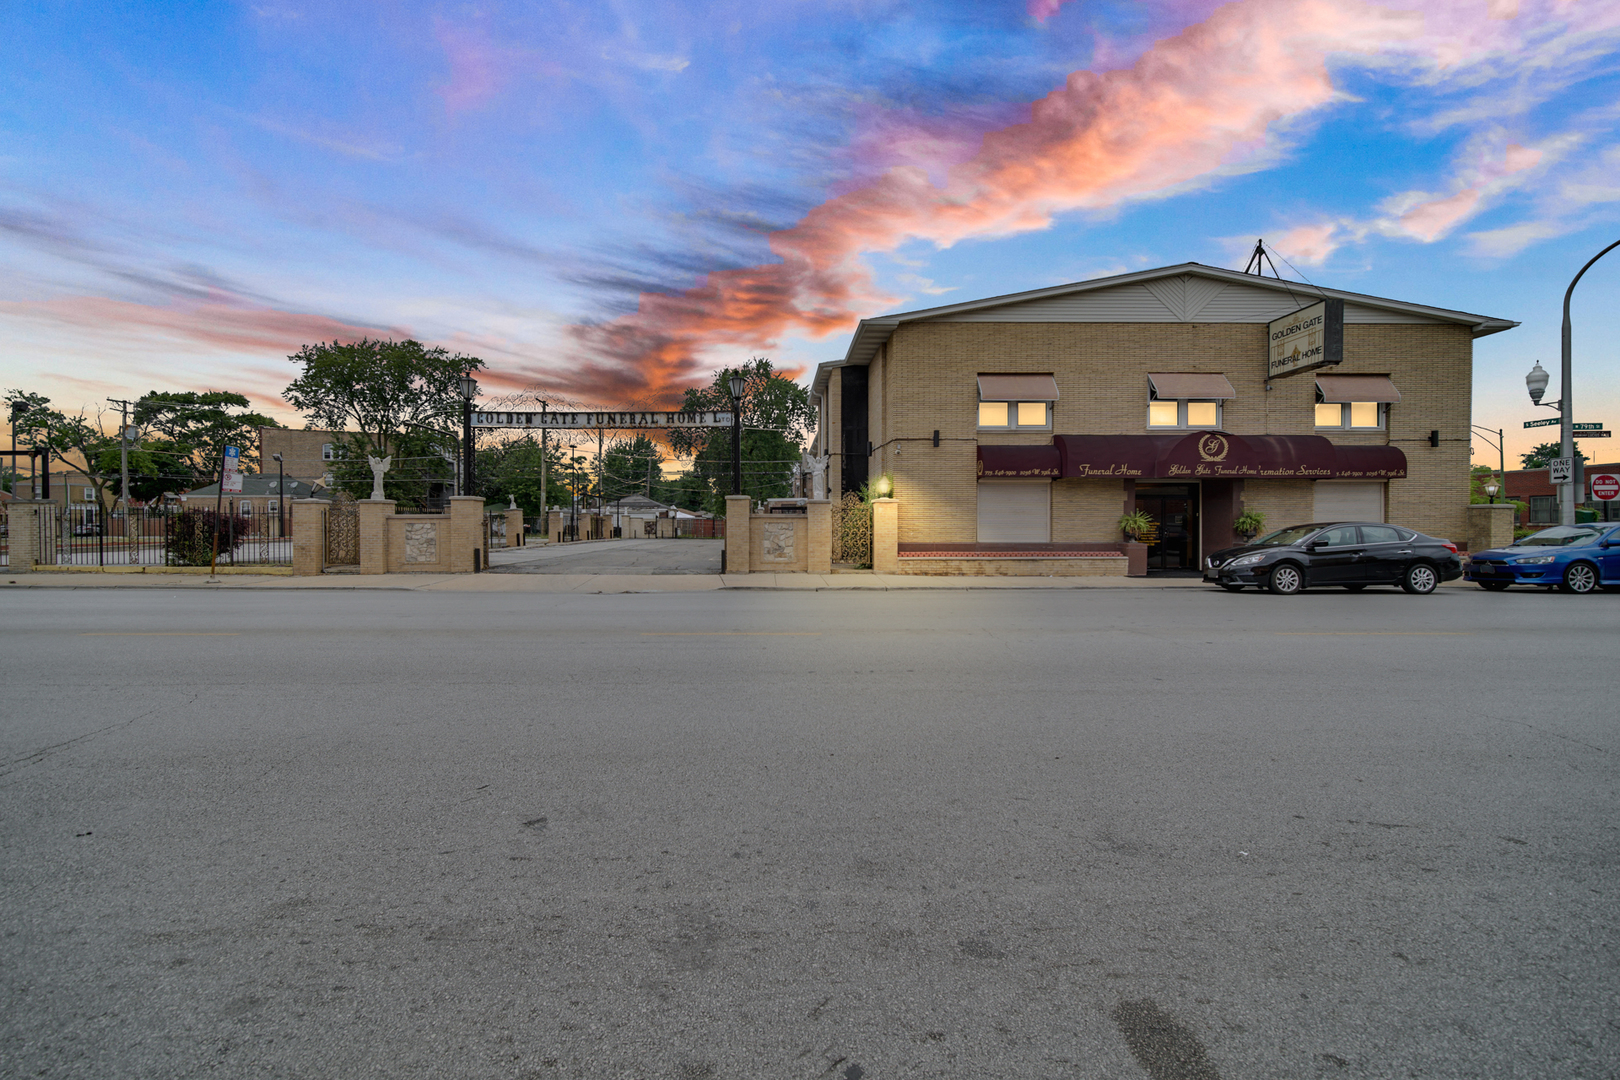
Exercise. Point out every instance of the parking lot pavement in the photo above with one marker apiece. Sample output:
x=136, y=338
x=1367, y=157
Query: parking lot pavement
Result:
x=831, y=835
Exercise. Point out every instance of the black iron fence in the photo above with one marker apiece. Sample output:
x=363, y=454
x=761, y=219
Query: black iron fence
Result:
x=238, y=535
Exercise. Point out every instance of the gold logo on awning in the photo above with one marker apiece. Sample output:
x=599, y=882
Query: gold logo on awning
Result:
x=1213, y=448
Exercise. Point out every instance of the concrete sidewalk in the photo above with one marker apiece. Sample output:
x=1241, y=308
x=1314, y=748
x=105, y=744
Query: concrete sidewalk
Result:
x=580, y=583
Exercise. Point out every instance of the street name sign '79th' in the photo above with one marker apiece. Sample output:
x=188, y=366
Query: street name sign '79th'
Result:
x=589, y=421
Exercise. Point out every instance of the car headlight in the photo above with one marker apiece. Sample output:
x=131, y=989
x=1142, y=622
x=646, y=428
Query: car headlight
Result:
x=1534, y=560
x=1247, y=560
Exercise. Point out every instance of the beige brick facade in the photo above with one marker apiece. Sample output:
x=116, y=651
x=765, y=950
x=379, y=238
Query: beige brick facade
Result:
x=922, y=379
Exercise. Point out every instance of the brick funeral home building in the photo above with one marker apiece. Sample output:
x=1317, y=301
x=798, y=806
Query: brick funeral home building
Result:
x=1032, y=422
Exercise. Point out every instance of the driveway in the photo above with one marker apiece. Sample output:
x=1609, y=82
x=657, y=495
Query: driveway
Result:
x=611, y=557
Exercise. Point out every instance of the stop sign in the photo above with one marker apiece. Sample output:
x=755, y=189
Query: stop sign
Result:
x=1606, y=486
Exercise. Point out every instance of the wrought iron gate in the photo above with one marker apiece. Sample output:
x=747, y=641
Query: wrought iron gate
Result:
x=343, y=531
x=852, y=531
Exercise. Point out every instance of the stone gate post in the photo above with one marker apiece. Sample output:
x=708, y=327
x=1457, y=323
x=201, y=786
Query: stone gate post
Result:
x=467, y=533
x=514, y=528
x=309, y=536
x=374, y=515
x=818, y=544
x=22, y=531
x=885, y=536
x=737, y=533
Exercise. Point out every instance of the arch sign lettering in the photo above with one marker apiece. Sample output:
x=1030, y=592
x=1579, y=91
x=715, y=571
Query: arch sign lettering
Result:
x=590, y=421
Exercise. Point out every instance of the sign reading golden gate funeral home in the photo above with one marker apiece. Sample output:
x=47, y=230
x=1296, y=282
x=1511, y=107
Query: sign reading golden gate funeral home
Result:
x=582, y=421
x=1311, y=337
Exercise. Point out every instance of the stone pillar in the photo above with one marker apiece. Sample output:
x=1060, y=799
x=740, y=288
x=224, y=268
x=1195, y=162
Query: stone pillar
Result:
x=1489, y=526
x=885, y=536
x=309, y=536
x=467, y=533
x=737, y=534
x=374, y=515
x=818, y=542
x=22, y=531
x=554, y=525
x=514, y=528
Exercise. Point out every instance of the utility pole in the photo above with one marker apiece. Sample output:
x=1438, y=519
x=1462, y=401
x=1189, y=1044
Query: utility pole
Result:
x=545, y=507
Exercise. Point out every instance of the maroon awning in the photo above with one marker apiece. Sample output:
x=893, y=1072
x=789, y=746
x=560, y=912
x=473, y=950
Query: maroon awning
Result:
x=1214, y=455
x=1013, y=461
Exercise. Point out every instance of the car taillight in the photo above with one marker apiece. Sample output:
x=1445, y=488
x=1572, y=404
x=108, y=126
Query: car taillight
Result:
x=1449, y=546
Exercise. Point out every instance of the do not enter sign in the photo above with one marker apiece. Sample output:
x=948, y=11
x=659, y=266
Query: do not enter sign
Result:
x=1605, y=486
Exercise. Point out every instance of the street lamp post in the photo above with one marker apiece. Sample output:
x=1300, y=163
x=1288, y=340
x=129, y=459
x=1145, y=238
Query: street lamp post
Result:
x=1490, y=490
x=1537, y=383
x=737, y=383
x=281, y=495
x=469, y=390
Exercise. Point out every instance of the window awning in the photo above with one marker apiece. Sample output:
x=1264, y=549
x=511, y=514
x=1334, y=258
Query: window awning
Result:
x=1017, y=388
x=1341, y=388
x=1173, y=386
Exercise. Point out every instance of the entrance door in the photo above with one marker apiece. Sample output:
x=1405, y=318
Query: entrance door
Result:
x=1174, y=508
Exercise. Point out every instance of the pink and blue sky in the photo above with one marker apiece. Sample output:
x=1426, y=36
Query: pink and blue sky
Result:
x=609, y=200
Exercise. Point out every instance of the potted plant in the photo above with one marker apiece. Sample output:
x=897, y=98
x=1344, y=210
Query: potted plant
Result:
x=1135, y=523
x=1248, y=524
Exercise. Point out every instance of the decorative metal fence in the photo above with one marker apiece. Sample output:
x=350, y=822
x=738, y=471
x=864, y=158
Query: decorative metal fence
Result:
x=343, y=531
x=852, y=531
x=239, y=535
x=495, y=530
x=700, y=528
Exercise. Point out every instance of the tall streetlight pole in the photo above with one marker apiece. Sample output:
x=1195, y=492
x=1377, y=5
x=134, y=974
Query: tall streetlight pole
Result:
x=469, y=390
x=1566, y=496
x=1501, y=455
x=737, y=383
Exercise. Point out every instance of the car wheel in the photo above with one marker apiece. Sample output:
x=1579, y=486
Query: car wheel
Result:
x=1354, y=588
x=1229, y=587
x=1581, y=578
x=1492, y=586
x=1285, y=580
x=1420, y=578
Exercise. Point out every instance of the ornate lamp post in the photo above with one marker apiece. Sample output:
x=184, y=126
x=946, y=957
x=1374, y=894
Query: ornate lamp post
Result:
x=469, y=390
x=1491, y=489
x=1537, y=383
x=737, y=384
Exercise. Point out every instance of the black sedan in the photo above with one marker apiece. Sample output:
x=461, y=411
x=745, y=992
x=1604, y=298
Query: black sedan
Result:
x=1350, y=554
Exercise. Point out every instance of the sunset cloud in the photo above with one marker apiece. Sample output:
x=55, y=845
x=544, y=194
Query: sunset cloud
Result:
x=194, y=326
x=1194, y=107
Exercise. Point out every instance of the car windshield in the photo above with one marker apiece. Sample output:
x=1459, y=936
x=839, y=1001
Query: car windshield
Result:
x=1561, y=536
x=1284, y=537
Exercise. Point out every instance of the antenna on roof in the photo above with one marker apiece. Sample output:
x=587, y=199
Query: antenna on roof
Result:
x=1257, y=260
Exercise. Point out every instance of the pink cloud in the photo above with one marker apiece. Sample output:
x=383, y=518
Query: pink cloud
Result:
x=1041, y=10
x=200, y=325
x=1311, y=244
x=478, y=69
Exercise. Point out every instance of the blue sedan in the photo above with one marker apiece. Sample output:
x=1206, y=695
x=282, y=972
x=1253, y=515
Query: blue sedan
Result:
x=1574, y=558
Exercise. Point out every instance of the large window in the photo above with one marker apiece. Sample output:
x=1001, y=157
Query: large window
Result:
x=1015, y=415
x=1016, y=402
x=1543, y=509
x=1186, y=399
x=1184, y=413
x=1350, y=415
x=1354, y=402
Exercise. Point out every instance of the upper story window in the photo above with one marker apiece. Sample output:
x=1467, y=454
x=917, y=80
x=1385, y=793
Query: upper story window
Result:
x=1354, y=402
x=328, y=452
x=1016, y=402
x=1187, y=399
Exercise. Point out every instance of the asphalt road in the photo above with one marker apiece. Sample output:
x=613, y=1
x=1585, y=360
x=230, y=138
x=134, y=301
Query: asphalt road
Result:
x=638, y=556
x=1176, y=834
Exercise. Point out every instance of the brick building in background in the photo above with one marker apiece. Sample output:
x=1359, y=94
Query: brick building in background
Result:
x=1534, y=488
x=1041, y=417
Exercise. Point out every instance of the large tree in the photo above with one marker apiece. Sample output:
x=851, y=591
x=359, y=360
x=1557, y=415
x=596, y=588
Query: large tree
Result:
x=191, y=431
x=632, y=467
x=60, y=434
x=1543, y=455
x=776, y=418
x=380, y=390
x=512, y=469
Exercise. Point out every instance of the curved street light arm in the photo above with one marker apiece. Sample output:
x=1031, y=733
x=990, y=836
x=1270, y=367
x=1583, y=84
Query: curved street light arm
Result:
x=1566, y=501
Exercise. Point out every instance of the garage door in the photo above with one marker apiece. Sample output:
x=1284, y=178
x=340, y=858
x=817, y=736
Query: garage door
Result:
x=1012, y=511
x=1346, y=501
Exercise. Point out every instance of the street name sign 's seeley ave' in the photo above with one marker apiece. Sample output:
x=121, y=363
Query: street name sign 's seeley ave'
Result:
x=1311, y=337
x=586, y=421
x=1554, y=420
x=230, y=477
